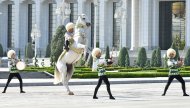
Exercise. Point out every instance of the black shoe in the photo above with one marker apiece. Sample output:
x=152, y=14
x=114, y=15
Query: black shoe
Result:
x=94, y=97
x=4, y=92
x=111, y=97
x=22, y=92
x=163, y=94
x=185, y=94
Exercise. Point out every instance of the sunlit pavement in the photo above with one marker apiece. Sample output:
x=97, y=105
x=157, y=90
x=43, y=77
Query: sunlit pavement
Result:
x=147, y=95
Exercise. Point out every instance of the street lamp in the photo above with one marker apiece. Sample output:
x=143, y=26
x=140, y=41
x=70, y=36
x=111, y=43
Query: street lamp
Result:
x=63, y=11
x=120, y=14
x=35, y=34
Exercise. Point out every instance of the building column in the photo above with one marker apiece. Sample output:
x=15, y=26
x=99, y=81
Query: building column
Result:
x=128, y=23
x=102, y=24
x=42, y=18
x=187, y=36
x=123, y=39
x=3, y=25
x=135, y=25
x=145, y=28
x=155, y=36
x=19, y=42
x=81, y=6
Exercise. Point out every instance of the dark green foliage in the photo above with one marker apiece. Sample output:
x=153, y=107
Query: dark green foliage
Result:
x=107, y=53
x=57, y=43
x=1, y=51
x=19, y=56
x=97, y=44
x=179, y=44
x=165, y=61
x=48, y=50
x=142, y=58
x=90, y=61
x=5, y=53
x=127, y=60
x=29, y=51
x=153, y=59
x=81, y=62
x=187, y=58
x=122, y=55
x=158, y=58
x=176, y=49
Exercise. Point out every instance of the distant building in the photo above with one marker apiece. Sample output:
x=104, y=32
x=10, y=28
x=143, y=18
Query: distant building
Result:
x=146, y=23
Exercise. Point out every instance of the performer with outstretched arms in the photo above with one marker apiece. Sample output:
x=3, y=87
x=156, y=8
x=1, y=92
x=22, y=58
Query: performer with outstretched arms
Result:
x=12, y=62
x=173, y=71
x=98, y=65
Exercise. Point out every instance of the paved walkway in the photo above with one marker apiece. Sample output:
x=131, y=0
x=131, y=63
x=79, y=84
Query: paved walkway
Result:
x=127, y=96
x=49, y=82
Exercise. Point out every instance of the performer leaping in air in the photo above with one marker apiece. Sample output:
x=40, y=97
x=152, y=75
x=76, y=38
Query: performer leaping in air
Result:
x=173, y=71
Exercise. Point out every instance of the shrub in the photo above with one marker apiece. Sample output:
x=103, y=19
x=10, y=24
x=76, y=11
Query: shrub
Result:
x=142, y=58
x=127, y=60
x=122, y=55
x=158, y=58
x=107, y=53
x=48, y=50
x=187, y=58
x=19, y=56
x=29, y=51
x=153, y=59
x=1, y=51
x=175, y=46
x=90, y=61
x=57, y=43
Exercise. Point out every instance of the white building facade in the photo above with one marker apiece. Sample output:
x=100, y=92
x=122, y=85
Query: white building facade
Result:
x=145, y=23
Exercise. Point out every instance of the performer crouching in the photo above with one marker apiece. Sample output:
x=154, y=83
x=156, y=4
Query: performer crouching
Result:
x=12, y=61
x=173, y=71
x=99, y=66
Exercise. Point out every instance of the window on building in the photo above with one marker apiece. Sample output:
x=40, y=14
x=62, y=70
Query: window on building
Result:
x=116, y=27
x=74, y=12
x=50, y=33
x=9, y=29
x=171, y=22
x=178, y=19
x=29, y=22
x=92, y=24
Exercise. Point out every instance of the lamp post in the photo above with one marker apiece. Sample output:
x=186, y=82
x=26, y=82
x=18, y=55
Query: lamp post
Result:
x=120, y=14
x=63, y=11
x=35, y=34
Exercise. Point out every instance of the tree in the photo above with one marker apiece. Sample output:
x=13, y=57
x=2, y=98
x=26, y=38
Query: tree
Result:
x=48, y=50
x=57, y=43
x=19, y=56
x=122, y=55
x=142, y=58
x=176, y=49
x=29, y=51
x=90, y=62
x=158, y=58
x=187, y=58
x=153, y=59
x=127, y=60
x=107, y=53
x=1, y=51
